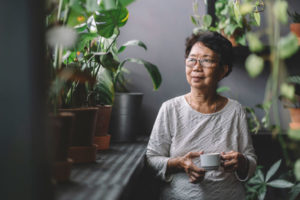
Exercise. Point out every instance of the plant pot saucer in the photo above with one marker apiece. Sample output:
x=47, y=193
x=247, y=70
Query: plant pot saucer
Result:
x=102, y=142
x=62, y=170
x=83, y=154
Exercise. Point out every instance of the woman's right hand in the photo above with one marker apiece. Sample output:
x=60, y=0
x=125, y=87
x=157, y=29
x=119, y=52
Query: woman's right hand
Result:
x=195, y=173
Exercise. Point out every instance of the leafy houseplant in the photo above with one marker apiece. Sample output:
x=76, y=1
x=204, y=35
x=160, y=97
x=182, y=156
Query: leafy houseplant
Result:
x=234, y=18
x=280, y=48
x=257, y=186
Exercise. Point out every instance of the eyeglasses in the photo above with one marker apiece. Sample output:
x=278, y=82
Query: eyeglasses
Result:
x=206, y=63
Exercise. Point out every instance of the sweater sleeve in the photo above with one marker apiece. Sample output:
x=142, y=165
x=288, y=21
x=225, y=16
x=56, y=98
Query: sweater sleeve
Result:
x=246, y=147
x=158, y=149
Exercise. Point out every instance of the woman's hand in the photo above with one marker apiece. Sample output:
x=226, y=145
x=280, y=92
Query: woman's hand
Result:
x=234, y=161
x=195, y=173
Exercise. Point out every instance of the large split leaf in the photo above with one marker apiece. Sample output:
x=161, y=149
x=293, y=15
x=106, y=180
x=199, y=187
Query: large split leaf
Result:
x=108, y=20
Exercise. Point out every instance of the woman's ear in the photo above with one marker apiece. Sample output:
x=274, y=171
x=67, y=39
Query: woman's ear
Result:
x=223, y=72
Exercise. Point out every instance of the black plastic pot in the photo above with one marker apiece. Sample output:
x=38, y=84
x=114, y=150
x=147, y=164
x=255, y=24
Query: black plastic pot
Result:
x=125, y=118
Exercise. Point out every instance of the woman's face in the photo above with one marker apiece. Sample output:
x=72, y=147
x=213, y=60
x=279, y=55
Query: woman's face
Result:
x=205, y=73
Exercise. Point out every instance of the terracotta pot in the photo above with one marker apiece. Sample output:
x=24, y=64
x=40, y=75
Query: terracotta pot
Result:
x=102, y=138
x=103, y=119
x=230, y=38
x=84, y=125
x=295, y=115
x=82, y=149
x=102, y=142
x=295, y=125
x=62, y=126
x=295, y=28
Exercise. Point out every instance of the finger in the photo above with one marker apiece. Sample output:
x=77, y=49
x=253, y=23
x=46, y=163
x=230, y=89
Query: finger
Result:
x=193, y=154
x=230, y=163
x=197, y=169
x=201, y=152
x=197, y=175
x=228, y=156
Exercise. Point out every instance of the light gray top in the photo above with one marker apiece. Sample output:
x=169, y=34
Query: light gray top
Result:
x=180, y=129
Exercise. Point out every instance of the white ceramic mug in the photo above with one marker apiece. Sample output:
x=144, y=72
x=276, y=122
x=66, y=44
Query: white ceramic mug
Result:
x=210, y=161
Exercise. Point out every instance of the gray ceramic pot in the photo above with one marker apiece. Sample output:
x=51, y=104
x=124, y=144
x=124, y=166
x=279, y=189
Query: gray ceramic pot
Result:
x=125, y=118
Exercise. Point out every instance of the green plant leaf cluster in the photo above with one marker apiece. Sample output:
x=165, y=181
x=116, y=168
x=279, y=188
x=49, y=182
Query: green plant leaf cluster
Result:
x=257, y=186
x=295, y=17
x=93, y=67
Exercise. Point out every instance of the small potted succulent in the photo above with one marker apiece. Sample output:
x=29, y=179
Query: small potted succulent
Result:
x=291, y=100
x=295, y=26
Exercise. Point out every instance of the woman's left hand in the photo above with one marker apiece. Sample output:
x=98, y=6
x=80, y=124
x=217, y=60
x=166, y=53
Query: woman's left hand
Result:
x=234, y=161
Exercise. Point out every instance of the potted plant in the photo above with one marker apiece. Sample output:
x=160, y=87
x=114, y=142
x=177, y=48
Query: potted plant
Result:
x=72, y=76
x=281, y=47
x=257, y=186
x=291, y=100
x=295, y=26
x=110, y=87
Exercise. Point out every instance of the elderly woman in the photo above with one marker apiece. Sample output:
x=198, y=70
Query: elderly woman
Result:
x=200, y=122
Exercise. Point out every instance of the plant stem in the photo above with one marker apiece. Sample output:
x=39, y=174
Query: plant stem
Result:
x=274, y=34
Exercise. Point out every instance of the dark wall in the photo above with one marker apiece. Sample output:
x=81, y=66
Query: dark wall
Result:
x=163, y=26
x=24, y=164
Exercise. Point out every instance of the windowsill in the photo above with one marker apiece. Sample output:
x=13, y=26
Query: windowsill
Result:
x=111, y=177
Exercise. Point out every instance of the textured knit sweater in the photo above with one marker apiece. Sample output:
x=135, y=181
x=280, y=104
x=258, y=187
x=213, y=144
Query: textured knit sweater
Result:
x=180, y=129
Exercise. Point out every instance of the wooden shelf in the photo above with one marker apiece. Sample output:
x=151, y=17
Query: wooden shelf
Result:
x=111, y=177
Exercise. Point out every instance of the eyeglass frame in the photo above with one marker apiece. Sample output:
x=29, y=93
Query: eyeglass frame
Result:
x=201, y=62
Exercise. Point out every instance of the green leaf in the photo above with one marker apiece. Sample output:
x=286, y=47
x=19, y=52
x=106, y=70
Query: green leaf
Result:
x=260, y=175
x=84, y=39
x=108, y=20
x=194, y=20
x=236, y=9
x=293, y=79
x=230, y=28
x=125, y=3
x=257, y=18
x=288, y=91
x=246, y=8
x=109, y=4
x=91, y=5
x=77, y=15
x=207, y=20
x=262, y=192
x=273, y=169
x=132, y=43
x=297, y=169
x=255, y=44
x=223, y=89
x=80, y=28
x=295, y=191
x=152, y=70
x=294, y=134
x=280, y=11
x=279, y=183
x=254, y=65
x=108, y=62
x=288, y=46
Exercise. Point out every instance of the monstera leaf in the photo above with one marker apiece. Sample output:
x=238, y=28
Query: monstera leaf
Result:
x=108, y=20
